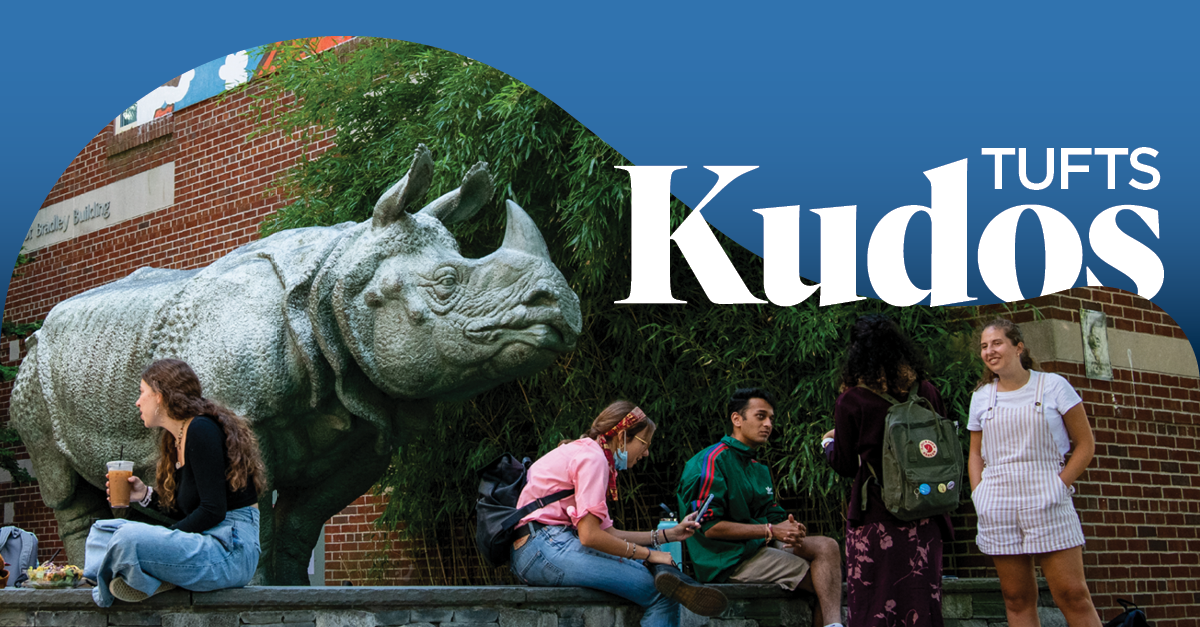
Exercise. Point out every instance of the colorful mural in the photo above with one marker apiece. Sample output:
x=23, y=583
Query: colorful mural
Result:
x=207, y=81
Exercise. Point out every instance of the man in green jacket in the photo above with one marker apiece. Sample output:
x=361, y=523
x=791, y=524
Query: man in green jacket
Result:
x=747, y=537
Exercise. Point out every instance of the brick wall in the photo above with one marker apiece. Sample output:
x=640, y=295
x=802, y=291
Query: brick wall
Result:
x=357, y=552
x=221, y=198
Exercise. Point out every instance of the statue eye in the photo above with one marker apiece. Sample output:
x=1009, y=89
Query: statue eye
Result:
x=444, y=283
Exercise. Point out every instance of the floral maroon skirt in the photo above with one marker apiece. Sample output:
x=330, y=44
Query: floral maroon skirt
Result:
x=894, y=574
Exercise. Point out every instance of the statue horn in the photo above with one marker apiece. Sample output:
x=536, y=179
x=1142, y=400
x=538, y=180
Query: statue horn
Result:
x=522, y=234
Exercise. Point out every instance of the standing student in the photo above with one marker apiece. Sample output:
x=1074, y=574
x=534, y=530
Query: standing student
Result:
x=894, y=568
x=572, y=542
x=1022, y=424
x=209, y=471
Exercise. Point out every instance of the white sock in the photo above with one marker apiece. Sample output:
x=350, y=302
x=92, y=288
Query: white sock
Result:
x=835, y=625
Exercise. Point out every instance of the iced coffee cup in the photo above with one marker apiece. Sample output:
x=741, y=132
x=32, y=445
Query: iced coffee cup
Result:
x=118, y=487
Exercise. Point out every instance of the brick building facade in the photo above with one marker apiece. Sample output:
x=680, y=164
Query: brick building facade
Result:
x=1139, y=501
x=221, y=194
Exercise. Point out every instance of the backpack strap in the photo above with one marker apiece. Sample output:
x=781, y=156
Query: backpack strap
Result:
x=535, y=505
x=888, y=397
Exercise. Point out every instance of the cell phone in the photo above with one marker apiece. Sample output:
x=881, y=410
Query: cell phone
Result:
x=704, y=508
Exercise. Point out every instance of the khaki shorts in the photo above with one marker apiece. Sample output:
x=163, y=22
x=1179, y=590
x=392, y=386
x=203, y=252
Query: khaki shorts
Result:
x=772, y=564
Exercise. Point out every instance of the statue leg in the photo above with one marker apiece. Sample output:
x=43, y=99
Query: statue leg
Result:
x=291, y=528
x=75, y=519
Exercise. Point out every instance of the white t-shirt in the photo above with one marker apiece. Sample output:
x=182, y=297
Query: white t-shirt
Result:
x=1057, y=399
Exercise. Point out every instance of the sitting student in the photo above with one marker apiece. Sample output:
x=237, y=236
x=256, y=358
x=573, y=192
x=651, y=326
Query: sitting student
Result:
x=572, y=542
x=747, y=537
x=210, y=470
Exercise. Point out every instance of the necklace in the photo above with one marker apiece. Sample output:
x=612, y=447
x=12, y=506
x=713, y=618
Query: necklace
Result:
x=179, y=441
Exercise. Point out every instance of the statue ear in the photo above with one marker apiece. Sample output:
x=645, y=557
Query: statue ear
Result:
x=462, y=203
x=393, y=204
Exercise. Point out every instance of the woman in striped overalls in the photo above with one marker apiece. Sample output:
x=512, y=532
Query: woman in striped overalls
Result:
x=1022, y=424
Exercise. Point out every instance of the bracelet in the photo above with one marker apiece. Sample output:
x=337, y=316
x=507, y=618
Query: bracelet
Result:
x=654, y=538
x=770, y=534
x=145, y=502
x=826, y=442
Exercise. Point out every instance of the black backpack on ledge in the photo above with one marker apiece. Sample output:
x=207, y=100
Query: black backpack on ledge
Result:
x=496, y=513
x=1131, y=617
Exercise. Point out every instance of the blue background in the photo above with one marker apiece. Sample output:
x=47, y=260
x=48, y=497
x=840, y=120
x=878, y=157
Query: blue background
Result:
x=844, y=105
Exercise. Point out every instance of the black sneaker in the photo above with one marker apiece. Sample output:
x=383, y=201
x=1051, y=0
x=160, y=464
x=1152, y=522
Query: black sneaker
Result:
x=697, y=598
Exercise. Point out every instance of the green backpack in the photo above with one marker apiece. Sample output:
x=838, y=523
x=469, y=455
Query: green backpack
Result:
x=922, y=460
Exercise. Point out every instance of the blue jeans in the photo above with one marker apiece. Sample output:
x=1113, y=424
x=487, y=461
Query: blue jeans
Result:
x=146, y=556
x=554, y=557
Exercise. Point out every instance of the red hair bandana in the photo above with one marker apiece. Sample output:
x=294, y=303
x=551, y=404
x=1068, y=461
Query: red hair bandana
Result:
x=632, y=418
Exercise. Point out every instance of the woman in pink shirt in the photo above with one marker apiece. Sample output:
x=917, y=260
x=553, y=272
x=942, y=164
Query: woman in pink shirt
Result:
x=573, y=542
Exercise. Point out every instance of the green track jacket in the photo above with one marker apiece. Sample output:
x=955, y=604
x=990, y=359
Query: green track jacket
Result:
x=744, y=494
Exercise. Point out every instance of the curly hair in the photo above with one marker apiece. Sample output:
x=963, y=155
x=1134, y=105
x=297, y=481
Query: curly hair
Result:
x=182, y=399
x=882, y=357
x=1014, y=335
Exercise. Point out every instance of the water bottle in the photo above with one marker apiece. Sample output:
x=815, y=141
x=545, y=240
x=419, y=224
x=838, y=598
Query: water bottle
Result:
x=674, y=548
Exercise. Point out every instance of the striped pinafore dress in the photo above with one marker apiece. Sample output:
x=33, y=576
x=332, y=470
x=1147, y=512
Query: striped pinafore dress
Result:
x=1022, y=505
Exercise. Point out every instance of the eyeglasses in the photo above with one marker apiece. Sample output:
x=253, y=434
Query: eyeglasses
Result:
x=639, y=439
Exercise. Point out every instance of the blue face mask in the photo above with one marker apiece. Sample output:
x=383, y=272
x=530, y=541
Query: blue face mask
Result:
x=621, y=459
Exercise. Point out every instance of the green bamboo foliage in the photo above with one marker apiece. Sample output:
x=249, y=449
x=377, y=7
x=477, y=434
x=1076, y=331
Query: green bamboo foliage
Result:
x=679, y=362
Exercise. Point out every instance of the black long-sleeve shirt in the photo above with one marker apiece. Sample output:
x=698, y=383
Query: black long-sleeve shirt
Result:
x=201, y=493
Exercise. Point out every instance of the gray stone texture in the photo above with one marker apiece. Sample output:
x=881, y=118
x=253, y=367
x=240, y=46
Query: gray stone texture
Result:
x=432, y=615
x=335, y=342
x=956, y=606
x=392, y=617
x=134, y=619
x=69, y=619
x=307, y=616
x=261, y=618
x=345, y=618
x=200, y=620
x=796, y=613
x=599, y=617
x=15, y=618
x=526, y=618
x=1051, y=617
x=476, y=615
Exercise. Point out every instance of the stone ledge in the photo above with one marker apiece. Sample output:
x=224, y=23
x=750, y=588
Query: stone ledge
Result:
x=358, y=596
x=966, y=603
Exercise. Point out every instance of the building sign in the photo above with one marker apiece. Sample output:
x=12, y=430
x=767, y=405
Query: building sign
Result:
x=112, y=204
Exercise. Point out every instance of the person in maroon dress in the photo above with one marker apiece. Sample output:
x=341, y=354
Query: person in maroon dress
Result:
x=894, y=568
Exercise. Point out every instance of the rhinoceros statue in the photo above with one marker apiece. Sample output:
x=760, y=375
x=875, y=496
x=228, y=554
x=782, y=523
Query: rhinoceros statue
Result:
x=335, y=342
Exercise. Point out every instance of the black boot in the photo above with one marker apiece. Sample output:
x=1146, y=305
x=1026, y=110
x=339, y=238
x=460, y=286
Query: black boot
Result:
x=700, y=599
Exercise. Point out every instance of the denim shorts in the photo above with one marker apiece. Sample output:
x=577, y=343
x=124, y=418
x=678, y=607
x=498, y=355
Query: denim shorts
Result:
x=146, y=556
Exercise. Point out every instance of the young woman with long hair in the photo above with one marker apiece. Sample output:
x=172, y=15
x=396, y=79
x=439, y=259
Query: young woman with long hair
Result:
x=893, y=567
x=1022, y=425
x=573, y=542
x=210, y=472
